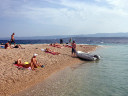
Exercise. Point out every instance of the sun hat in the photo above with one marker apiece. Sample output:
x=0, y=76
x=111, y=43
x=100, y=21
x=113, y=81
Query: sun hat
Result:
x=35, y=54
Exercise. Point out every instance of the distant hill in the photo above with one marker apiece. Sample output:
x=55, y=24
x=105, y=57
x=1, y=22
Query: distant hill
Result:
x=39, y=37
x=68, y=36
x=108, y=35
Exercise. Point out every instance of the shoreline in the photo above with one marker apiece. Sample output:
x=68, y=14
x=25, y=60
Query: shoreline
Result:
x=13, y=80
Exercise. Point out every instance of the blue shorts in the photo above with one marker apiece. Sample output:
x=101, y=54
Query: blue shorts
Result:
x=12, y=41
x=73, y=50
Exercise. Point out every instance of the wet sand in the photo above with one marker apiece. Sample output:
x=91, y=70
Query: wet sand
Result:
x=13, y=80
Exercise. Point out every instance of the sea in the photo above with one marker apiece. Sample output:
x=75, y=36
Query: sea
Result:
x=79, y=40
x=106, y=77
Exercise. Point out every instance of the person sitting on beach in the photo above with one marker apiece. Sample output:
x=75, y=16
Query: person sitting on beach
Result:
x=73, y=48
x=12, y=39
x=7, y=45
x=34, y=63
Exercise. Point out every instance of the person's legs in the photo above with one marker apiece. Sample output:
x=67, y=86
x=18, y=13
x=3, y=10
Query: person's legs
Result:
x=38, y=65
x=12, y=41
x=72, y=52
x=32, y=66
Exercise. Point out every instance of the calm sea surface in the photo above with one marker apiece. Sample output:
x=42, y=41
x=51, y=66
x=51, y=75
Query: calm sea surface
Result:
x=107, y=77
x=79, y=40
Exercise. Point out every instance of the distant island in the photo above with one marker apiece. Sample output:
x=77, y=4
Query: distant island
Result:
x=108, y=35
x=68, y=36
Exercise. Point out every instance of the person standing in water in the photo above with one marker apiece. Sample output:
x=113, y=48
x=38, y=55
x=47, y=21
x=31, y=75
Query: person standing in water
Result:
x=61, y=41
x=70, y=40
x=73, y=48
x=12, y=39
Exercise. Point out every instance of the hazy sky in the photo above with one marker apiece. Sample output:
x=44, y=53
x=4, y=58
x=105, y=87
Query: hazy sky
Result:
x=62, y=17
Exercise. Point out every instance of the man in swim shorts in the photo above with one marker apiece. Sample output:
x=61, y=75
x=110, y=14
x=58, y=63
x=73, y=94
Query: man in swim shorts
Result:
x=73, y=48
x=12, y=39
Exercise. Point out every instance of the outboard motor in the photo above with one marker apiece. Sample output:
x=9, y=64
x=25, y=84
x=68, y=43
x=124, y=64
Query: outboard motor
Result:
x=96, y=56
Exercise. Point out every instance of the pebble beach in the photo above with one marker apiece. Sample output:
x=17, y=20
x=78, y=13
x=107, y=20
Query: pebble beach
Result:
x=14, y=80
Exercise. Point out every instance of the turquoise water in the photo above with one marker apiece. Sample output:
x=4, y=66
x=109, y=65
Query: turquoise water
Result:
x=107, y=77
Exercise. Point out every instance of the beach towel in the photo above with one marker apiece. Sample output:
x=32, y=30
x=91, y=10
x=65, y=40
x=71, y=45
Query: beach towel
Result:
x=68, y=46
x=18, y=65
x=2, y=46
x=53, y=53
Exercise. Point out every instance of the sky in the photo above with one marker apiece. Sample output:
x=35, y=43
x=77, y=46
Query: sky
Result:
x=62, y=17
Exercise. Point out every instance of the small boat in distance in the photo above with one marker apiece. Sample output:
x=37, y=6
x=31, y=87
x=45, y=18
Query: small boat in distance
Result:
x=87, y=56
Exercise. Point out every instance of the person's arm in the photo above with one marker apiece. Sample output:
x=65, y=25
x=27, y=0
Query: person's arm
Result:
x=75, y=46
x=36, y=61
x=13, y=37
x=38, y=64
